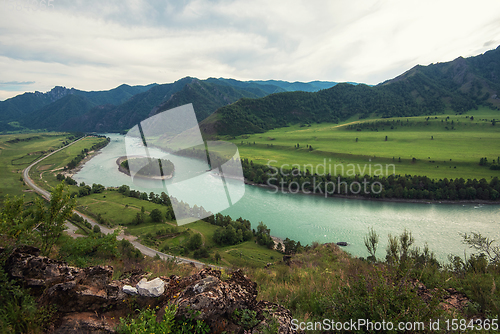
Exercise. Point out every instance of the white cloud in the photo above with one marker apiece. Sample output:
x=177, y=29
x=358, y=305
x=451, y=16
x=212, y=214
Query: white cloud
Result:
x=94, y=45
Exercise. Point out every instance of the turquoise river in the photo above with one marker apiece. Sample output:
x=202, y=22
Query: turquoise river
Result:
x=308, y=218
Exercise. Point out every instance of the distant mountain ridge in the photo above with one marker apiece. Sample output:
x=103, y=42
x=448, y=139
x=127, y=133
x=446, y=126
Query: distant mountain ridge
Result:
x=121, y=108
x=30, y=108
x=462, y=84
x=459, y=85
x=284, y=86
x=312, y=86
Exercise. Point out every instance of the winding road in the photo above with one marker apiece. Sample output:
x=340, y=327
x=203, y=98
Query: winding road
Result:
x=143, y=249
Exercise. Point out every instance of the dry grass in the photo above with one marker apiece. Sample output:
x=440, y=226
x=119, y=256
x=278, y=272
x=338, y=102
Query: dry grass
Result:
x=303, y=284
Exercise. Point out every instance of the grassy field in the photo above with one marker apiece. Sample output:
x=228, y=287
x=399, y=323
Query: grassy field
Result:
x=47, y=169
x=440, y=148
x=118, y=209
x=115, y=207
x=15, y=156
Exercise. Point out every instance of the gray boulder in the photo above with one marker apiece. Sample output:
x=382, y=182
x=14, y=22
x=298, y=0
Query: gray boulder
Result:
x=153, y=288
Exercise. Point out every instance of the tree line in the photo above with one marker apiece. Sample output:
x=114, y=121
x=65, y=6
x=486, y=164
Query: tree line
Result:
x=182, y=208
x=494, y=164
x=392, y=186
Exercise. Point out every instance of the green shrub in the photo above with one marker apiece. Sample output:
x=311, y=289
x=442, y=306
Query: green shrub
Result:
x=245, y=318
x=156, y=215
x=194, y=242
x=18, y=310
x=201, y=253
x=82, y=252
x=128, y=251
x=146, y=322
x=377, y=298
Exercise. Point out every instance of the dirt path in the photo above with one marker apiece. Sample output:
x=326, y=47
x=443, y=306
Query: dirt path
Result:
x=71, y=231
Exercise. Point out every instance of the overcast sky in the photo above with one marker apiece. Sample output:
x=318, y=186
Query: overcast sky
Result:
x=99, y=44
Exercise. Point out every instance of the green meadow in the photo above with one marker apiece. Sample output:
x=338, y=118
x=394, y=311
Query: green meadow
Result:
x=117, y=209
x=17, y=151
x=47, y=168
x=442, y=146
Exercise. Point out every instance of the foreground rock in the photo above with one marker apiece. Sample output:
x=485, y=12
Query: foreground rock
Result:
x=217, y=301
x=154, y=288
x=130, y=290
x=88, y=301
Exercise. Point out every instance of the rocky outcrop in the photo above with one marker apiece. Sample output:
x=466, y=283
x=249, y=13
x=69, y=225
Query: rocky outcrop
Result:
x=84, y=322
x=88, y=301
x=452, y=301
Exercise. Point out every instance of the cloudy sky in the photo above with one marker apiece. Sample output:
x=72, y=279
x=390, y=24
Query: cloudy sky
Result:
x=99, y=44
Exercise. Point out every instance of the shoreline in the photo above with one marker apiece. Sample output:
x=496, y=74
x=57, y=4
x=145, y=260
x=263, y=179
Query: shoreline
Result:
x=88, y=157
x=393, y=200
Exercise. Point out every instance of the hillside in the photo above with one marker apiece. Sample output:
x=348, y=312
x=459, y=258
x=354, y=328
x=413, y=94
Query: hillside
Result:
x=118, y=118
x=70, y=106
x=16, y=108
x=460, y=85
x=331, y=105
x=30, y=108
x=205, y=97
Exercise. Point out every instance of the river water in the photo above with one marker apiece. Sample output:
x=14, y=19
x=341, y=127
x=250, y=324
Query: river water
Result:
x=308, y=218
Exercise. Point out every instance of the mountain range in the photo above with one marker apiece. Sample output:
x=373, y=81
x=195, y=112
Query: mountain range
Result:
x=121, y=108
x=232, y=107
x=459, y=86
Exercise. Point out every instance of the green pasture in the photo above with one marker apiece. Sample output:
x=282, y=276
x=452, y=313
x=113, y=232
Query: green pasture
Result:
x=120, y=210
x=115, y=207
x=58, y=161
x=441, y=149
x=249, y=254
x=14, y=157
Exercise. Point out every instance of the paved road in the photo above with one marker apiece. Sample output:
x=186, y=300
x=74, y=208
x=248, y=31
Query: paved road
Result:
x=143, y=249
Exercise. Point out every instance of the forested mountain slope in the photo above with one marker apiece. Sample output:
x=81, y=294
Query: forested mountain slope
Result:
x=460, y=85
